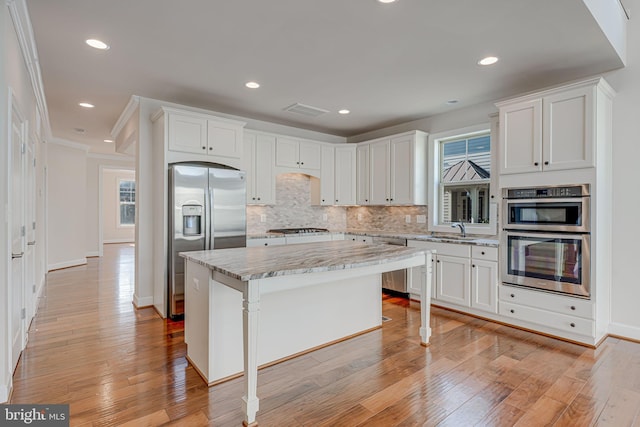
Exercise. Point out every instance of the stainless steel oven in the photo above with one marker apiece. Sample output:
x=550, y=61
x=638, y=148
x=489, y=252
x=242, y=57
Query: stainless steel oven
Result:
x=546, y=239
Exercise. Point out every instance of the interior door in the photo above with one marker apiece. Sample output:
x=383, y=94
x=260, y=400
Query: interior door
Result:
x=17, y=148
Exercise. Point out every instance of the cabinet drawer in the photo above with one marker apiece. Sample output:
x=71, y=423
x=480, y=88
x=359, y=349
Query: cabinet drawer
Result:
x=270, y=241
x=451, y=249
x=558, y=321
x=555, y=303
x=484, y=252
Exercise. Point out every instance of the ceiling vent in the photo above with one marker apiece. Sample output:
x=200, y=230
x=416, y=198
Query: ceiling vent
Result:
x=305, y=110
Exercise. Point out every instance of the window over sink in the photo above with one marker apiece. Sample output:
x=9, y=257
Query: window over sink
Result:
x=461, y=181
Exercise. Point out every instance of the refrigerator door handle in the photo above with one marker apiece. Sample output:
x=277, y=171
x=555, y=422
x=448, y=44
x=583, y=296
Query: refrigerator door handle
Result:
x=209, y=220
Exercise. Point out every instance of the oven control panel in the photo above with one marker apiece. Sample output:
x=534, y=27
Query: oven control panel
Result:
x=546, y=192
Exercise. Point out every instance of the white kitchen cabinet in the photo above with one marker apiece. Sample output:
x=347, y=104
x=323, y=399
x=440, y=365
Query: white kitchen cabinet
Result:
x=327, y=176
x=397, y=170
x=465, y=276
x=551, y=130
x=362, y=174
x=308, y=238
x=201, y=134
x=297, y=154
x=453, y=280
x=345, y=175
x=259, y=152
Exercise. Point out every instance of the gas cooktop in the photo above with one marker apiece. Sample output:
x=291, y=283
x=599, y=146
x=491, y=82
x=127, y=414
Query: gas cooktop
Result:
x=303, y=230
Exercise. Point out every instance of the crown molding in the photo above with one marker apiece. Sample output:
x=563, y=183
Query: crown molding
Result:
x=24, y=32
x=69, y=144
x=126, y=114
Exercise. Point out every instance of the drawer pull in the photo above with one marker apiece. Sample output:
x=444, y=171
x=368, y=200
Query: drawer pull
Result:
x=482, y=252
x=512, y=296
x=512, y=310
x=573, y=307
x=573, y=325
x=266, y=244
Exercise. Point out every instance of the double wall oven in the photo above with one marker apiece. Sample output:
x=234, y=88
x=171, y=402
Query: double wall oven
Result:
x=546, y=239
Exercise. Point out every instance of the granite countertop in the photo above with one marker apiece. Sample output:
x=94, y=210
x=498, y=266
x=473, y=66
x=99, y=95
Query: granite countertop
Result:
x=260, y=262
x=491, y=241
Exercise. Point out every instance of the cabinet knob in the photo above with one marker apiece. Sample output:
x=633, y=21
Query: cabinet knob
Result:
x=253, y=198
x=573, y=307
x=258, y=198
x=336, y=200
x=492, y=196
x=512, y=311
x=210, y=148
x=473, y=266
x=438, y=261
x=391, y=200
x=302, y=163
x=535, y=164
x=297, y=163
x=546, y=162
x=482, y=252
x=323, y=200
x=366, y=200
x=266, y=244
x=512, y=296
x=204, y=148
x=573, y=325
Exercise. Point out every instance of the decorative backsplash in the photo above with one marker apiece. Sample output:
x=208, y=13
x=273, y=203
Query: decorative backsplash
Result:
x=293, y=209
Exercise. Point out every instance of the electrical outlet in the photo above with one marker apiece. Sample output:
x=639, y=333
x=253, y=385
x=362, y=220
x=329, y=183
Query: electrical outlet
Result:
x=359, y=217
x=325, y=217
x=407, y=219
x=263, y=218
x=421, y=219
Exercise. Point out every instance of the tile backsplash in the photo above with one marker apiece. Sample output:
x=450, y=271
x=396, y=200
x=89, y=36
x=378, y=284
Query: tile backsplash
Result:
x=293, y=209
x=387, y=218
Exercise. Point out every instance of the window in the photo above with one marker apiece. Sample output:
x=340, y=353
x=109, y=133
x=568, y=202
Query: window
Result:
x=465, y=175
x=127, y=193
x=460, y=180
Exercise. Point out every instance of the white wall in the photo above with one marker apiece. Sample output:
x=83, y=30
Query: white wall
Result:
x=95, y=164
x=625, y=297
x=66, y=204
x=112, y=231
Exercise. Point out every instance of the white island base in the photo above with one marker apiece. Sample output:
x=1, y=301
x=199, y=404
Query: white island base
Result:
x=240, y=314
x=292, y=321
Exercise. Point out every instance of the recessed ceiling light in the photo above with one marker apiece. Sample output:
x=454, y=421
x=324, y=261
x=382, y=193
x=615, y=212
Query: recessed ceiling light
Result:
x=86, y=105
x=344, y=111
x=489, y=60
x=108, y=140
x=386, y=1
x=97, y=44
x=252, y=85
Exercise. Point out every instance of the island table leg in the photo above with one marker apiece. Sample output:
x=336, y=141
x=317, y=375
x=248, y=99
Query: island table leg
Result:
x=425, y=299
x=250, y=312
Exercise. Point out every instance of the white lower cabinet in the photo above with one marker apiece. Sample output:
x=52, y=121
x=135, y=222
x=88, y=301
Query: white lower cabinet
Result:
x=560, y=315
x=266, y=241
x=358, y=238
x=465, y=277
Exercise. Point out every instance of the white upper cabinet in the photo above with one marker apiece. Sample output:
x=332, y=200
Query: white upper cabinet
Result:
x=397, y=170
x=297, y=154
x=192, y=136
x=362, y=174
x=552, y=130
x=345, y=175
x=259, y=153
x=337, y=184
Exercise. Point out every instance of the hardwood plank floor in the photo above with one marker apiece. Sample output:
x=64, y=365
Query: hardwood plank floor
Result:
x=115, y=365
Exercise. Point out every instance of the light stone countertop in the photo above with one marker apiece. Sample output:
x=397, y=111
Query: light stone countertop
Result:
x=261, y=262
x=490, y=241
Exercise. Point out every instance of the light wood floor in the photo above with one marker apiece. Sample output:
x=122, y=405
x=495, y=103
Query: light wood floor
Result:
x=118, y=366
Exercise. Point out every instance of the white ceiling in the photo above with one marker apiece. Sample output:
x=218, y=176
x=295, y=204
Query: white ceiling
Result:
x=387, y=63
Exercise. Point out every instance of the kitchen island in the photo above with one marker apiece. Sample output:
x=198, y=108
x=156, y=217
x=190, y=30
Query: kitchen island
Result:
x=246, y=307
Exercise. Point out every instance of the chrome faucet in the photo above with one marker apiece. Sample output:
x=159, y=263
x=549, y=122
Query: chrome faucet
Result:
x=461, y=226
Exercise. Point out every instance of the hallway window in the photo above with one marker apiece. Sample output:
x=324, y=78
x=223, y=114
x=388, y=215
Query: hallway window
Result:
x=127, y=202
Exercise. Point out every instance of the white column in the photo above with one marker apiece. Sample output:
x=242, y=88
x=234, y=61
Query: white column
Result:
x=250, y=313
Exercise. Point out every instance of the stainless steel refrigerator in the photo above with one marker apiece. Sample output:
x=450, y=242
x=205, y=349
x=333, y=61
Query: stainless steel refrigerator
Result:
x=207, y=210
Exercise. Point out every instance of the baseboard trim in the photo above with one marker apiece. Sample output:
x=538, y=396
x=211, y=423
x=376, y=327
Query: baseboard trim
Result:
x=5, y=393
x=142, y=302
x=111, y=241
x=619, y=330
x=67, y=264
